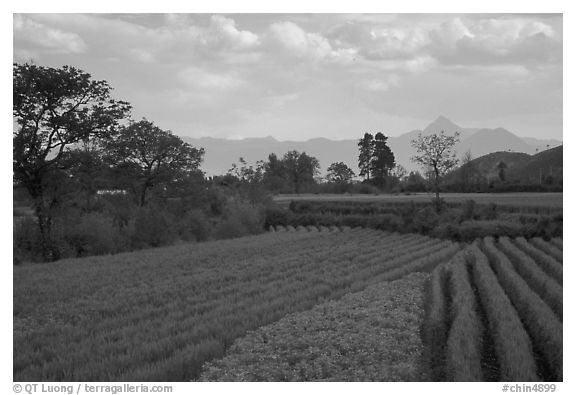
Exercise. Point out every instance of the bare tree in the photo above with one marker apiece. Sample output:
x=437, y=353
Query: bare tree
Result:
x=436, y=152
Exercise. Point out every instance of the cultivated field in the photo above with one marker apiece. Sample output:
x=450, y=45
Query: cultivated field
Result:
x=532, y=199
x=494, y=313
x=160, y=314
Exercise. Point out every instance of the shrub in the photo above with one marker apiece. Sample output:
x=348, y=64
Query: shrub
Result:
x=153, y=228
x=194, y=226
x=93, y=234
x=425, y=220
x=275, y=216
x=26, y=241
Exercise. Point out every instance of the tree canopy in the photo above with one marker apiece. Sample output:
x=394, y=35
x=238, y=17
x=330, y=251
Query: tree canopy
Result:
x=54, y=109
x=435, y=153
x=152, y=156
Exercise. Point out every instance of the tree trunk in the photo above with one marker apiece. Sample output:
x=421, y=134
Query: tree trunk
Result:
x=49, y=250
x=143, y=195
x=437, y=188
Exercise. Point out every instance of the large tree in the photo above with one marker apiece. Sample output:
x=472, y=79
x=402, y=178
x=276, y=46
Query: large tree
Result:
x=340, y=173
x=382, y=161
x=366, y=148
x=300, y=169
x=435, y=153
x=54, y=109
x=150, y=156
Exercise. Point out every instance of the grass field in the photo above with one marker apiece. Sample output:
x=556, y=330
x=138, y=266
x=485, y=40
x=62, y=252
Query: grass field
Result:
x=161, y=314
x=532, y=199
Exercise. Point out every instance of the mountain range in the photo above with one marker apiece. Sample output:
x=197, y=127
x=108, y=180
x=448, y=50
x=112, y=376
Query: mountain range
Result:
x=222, y=153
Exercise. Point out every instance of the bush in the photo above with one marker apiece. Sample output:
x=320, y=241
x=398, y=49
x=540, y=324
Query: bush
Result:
x=153, y=228
x=93, y=234
x=425, y=220
x=241, y=219
x=275, y=216
x=26, y=241
x=388, y=222
x=194, y=226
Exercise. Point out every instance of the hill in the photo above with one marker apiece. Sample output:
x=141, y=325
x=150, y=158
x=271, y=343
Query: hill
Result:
x=520, y=167
x=543, y=164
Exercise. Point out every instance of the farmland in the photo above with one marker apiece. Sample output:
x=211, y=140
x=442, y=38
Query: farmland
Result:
x=297, y=304
x=535, y=199
x=161, y=314
x=494, y=313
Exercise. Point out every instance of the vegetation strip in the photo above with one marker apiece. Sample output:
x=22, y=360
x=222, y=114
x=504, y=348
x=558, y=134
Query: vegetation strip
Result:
x=553, y=247
x=512, y=344
x=543, y=326
x=464, y=344
x=548, y=289
x=551, y=266
x=372, y=335
x=435, y=328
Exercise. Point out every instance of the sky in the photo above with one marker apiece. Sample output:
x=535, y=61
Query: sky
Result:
x=300, y=76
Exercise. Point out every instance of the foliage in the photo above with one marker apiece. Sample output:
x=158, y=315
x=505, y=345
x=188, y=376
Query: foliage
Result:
x=144, y=153
x=54, y=109
x=435, y=153
x=366, y=148
x=464, y=221
x=340, y=173
x=382, y=161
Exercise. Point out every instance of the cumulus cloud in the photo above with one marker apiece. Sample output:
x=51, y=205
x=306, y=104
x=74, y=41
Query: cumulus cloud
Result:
x=295, y=41
x=225, y=29
x=490, y=41
x=31, y=33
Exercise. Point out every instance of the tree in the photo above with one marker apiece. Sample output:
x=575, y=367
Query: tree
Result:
x=248, y=180
x=366, y=147
x=54, y=109
x=300, y=168
x=339, y=172
x=435, y=152
x=382, y=160
x=399, y=172
x=152, y=156
x=501, y=166
x=274, y=173
x=247, y=173
x=467, y=171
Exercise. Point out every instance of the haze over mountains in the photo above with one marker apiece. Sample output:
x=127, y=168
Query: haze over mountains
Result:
x=222, y=153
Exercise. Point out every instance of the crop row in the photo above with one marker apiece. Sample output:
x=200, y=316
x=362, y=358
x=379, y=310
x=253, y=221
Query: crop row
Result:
x=494, y=314
x=161, y=314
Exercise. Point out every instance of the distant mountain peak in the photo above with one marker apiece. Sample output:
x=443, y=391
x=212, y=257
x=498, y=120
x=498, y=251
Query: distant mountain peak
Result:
x=442, y=124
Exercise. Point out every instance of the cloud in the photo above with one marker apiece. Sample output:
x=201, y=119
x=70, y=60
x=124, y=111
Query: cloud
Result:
x=493, y=41
x=142, y=55
x=296, y=42
x=40, y=36
x=203, y=79
x=382, y=84
x=226, y=31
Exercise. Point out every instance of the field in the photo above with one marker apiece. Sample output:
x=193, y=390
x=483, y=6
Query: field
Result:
x=160, y=314
x=297, y=304
x=531, y=199
x=494, y=313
